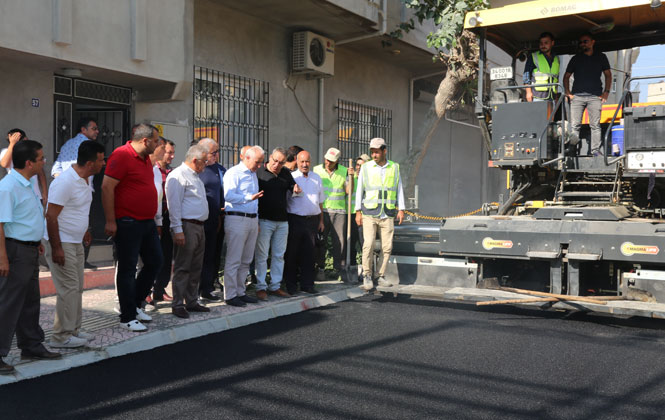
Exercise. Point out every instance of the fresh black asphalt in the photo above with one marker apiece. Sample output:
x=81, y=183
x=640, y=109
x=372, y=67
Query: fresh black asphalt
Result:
x=375, y=358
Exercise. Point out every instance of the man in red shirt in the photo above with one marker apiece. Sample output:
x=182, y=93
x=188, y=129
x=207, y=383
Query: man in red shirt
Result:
x=129, y=198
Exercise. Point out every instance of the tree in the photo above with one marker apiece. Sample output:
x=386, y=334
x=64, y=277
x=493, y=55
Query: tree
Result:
x=458, y=51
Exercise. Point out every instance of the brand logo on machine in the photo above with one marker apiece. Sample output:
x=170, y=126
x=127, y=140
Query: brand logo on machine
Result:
x=629, y=248
x=489, y=243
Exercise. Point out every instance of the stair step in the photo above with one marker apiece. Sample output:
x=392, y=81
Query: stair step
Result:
x=585, y=194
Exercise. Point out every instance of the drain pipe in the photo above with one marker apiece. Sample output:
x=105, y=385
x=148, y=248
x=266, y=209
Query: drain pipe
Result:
x=383, y=15
x=320, y=122
x=410, y=116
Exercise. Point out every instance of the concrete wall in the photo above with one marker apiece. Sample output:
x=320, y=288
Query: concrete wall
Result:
x=20, y=84
x=237, y=43
x=99, y=33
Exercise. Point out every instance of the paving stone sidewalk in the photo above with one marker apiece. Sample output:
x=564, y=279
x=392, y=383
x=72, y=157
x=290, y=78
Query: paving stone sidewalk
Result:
x=100, y=319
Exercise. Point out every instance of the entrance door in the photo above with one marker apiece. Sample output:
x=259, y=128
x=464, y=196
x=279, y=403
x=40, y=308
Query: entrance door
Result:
x=113, y=125
x=109, y=105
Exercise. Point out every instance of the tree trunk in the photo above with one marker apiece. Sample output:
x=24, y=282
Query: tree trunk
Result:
x=462, y=64
x=446, y=93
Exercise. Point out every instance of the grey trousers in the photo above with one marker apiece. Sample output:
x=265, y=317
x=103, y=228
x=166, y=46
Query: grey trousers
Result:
x=334, y=225
x=187, y=264
x=20, y=300
x=240, y=234
x=593, y=105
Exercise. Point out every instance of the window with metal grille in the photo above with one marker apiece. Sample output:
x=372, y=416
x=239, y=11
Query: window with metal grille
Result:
x=357, y=124
x=233, y=110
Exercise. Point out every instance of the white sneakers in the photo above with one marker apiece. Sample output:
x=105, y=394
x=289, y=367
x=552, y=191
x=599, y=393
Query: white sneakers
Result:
x=85, y=335
x=383, y=282
x=368, y=284
x=142, y=316
x=71, y=343
x=134, y=326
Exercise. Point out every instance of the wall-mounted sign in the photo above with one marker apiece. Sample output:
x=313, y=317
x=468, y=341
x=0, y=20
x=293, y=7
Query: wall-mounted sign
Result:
x=35, y=102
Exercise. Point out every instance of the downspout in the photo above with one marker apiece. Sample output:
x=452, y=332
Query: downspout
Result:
x=410, y=116
x=320, y=122
x=383, y=15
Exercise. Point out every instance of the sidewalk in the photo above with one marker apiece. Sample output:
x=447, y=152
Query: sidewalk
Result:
x=110, y=340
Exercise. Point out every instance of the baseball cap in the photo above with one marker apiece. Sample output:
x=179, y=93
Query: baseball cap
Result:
x=365, y=157
x=332, y=154
x=377, y=143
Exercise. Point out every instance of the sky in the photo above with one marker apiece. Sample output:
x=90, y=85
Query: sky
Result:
x=649, y=62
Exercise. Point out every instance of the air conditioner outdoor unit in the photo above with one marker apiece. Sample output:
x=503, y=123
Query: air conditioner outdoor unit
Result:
x=313, y=54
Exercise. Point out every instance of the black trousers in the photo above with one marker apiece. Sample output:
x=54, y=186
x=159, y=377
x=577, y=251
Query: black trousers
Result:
x=300, y=250
x=164, y=276
x=20, y=300
x=134, y=238
x=212, y=255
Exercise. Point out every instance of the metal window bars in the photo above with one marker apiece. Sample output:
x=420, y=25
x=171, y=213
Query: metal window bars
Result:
x=357, y=124
x=233, y=110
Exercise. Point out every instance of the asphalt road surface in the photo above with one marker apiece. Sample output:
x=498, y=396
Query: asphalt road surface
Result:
x=375, y=358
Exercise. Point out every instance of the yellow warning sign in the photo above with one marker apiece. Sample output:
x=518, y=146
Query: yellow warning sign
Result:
x=629, y=248
x=489, y=243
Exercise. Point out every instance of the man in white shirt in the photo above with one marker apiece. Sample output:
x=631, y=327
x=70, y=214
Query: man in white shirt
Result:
x=188, y=211
x=305, y=216
x=67, y=215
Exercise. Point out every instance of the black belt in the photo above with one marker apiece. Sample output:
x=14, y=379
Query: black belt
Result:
x=196, y=222
x=239, y=213
x=305, y=217
x=26, y=243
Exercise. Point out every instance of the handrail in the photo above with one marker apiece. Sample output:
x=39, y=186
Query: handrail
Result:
x=620, y=105
x=551, y=118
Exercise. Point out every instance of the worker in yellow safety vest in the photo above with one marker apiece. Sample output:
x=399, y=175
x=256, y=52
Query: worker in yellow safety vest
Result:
x=379, y=201
x=333, y=178
x=542, y=67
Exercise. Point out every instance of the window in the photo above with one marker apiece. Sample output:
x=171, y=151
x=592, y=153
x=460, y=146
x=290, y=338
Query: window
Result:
x=357, y=124
x=233, y=110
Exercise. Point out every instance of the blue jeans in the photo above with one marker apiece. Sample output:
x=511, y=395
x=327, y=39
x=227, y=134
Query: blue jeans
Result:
x=272, y=237
x=134, y=238
x=593, y=106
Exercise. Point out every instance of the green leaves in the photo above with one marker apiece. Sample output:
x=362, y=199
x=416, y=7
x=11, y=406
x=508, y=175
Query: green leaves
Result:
x=447, y=16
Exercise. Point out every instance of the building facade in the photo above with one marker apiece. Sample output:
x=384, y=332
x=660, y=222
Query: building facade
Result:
x=225, y=69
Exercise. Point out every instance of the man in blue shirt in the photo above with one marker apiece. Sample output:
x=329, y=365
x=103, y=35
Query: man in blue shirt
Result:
x=241, y=227
x=88, y=130
x=212, y=177
x=21, y=230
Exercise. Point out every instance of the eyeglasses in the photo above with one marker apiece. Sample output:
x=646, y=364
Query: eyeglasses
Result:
x=279, y=162
x=585, y=41
x=216, y=152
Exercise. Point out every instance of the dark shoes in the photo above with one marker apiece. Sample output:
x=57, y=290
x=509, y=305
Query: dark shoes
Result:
x=236, y=301
x=248, y=299
x=261, y=295
x=180, y=312
x=6, y=369
x=41, y=354
x=89, y=266
x=161, y=298
x=210, y=297
x=310, y=290
x=278, y=292
x=198, y=308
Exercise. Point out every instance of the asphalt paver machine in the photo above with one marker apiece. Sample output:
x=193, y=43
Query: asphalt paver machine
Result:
x=574, y=224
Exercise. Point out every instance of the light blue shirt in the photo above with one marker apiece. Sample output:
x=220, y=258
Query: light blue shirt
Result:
x=240, y=184
x=68, y=154
x=20, y=209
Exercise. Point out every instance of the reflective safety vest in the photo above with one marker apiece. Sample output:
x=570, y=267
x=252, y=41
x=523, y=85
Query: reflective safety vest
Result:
x=380, y=195
x=353, y=196
x=544, y=74
x=333, y=187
